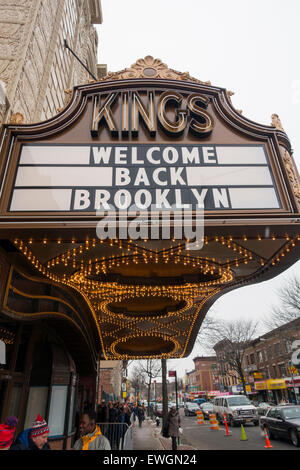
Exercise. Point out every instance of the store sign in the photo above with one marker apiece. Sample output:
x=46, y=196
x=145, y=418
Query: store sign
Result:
x=257, y=375
x=260, y=385
x=276, y=384
x=293, y=382
x=237, y=388
x=90, y=178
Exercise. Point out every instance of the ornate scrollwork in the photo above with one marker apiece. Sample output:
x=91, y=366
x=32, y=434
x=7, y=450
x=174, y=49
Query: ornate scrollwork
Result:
x=292, y=175
x=17, y=118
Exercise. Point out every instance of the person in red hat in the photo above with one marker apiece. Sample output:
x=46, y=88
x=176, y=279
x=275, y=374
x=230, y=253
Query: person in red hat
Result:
x=7, y=431
x=35, y=438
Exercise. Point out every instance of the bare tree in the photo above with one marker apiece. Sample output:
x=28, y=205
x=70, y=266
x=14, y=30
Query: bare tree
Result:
x=289, y=306
x=137, y=380
x=230, y=340
x=208, y=329
x=150, y=369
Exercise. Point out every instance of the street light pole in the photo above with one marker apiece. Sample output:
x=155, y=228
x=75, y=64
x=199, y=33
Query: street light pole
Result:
x=293, y=382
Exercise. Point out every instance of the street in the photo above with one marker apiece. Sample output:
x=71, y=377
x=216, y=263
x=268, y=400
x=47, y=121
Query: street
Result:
x=203, y=438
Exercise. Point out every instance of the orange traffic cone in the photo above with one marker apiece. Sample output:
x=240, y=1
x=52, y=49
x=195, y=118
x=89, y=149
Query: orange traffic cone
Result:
x=268, y=444
x=214, y=426
x=200, y=418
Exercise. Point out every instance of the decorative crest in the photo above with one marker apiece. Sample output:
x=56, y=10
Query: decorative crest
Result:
x=151, y=68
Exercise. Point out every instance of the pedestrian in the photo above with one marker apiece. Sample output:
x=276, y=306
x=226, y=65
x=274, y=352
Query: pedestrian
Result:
x=35, y=438
x=102, y=413
x=127, y=417
x=112, y=413
x=7, y=431
x=135, y=408
x=174, y=425
x=140, y=415
x=91, y=437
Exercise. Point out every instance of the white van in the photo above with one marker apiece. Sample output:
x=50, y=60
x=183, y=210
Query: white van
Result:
x=237, y=408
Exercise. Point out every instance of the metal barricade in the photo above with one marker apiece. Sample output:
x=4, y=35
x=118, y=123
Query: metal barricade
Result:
x=119, y=435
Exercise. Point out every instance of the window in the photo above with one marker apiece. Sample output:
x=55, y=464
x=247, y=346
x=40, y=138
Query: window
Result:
x=272, y=413
x=259, y=356
x=277, y=349
x=57, y=412
x=282, y=369
x=238, y=401
x=2, y=352
x=270, y=352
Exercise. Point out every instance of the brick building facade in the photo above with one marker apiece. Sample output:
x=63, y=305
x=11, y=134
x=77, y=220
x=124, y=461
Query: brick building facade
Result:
x=267, y=366
x=268, y=361
x=110, y=380
x=204, y=376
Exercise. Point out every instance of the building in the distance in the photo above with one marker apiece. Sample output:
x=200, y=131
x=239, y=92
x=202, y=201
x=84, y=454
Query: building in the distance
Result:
x=268, y=364
x=35, y=66
x=203, y=378
x=206, y=372
x=227, y=376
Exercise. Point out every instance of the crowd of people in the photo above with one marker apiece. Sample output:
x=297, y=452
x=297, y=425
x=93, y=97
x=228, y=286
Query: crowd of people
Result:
x=96, y=430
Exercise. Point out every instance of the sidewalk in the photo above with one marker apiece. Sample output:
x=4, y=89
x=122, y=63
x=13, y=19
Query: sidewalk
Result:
x=149, y=437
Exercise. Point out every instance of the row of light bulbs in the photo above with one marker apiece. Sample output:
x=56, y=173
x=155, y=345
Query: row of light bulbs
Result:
x=94, y=290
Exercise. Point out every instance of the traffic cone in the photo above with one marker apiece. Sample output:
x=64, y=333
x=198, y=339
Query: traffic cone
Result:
x=214, y=426
x=243, y=437
x=268, y=444
x=200, y=418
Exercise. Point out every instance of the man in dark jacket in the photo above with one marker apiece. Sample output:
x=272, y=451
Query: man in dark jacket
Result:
x=140, y=415
x=35, y=438
x=102, y=413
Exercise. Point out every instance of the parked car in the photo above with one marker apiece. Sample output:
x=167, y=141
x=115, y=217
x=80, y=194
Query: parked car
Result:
x=207, y=408
x=190, y=409
x=283, y=421
x=237, y=409
x=263, y=407
x=159, y=409
x=170, y=404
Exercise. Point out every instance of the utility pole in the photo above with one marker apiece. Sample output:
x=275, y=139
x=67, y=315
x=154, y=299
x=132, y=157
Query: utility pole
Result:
x=164, y=390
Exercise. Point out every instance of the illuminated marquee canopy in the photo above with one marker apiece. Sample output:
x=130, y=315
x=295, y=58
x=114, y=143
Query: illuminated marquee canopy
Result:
x=152, y=138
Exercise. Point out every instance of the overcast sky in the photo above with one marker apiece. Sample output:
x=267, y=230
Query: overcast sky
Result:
x=250, y=47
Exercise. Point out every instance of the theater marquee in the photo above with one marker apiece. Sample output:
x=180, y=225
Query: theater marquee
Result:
x=90, y=178
x=151, y=138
